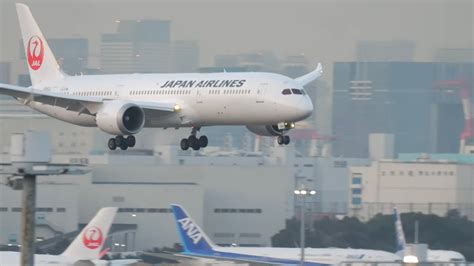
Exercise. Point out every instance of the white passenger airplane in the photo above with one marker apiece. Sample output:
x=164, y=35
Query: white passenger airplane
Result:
x=268, y=104
x=432, y=255
x=197, y=244
x=86, y=247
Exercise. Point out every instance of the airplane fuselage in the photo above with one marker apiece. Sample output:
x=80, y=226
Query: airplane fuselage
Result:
x=12, y=258
x=313, y=256
x=122, y=105
x=202, y=99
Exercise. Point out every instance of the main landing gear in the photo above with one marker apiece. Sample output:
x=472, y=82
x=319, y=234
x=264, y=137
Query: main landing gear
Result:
x=283, y=139
x=122, y=142
x=194, y=142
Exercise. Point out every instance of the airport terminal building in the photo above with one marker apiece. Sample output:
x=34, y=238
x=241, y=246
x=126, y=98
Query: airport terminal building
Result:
x=427, y=183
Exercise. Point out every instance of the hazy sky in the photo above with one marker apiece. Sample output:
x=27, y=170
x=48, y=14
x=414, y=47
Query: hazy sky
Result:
x=324, y=30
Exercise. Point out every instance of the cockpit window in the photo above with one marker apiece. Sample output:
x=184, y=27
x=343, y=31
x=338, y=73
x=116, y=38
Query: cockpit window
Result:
x=296, y=91
x=286, y=92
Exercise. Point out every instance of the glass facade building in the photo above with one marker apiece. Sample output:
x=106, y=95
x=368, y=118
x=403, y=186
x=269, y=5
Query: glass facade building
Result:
x=399, y=98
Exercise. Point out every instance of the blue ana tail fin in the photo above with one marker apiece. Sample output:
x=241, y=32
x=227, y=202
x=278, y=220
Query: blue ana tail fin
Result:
x=399, y=231
x=193, y=238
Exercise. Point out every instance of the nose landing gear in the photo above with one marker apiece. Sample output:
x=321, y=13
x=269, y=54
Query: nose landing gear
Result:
x=193, y=142
x=121, y=142
x=283, y=139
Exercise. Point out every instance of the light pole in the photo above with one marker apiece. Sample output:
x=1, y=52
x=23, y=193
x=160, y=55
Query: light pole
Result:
x=303, y=194
x=30, y=157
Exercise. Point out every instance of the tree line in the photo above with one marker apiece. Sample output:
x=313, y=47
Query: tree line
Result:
x=451, y=232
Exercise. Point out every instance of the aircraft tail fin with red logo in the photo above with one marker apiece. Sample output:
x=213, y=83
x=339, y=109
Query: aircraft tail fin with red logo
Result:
x=40, y=59
x=89, y=243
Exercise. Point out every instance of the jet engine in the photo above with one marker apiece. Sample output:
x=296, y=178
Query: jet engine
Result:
x=120, y=118
x=271, y=130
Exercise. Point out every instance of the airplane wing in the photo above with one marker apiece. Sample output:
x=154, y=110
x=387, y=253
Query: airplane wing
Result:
x=313, y=75
x=183, y=258
x=169, y=257
x=77, y=103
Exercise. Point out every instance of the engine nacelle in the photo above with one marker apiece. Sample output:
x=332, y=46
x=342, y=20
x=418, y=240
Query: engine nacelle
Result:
x=271, y=130
x=120, y=118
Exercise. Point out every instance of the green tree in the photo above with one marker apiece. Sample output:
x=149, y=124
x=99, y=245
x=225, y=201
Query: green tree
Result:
x=452, y=232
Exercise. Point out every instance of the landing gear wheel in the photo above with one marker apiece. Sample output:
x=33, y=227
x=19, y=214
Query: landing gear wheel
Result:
x=124, y=146
x=194, y=142
x=286, y=140
x=203, y=141
x=131, y=141
x=196, y=146
x=184, y=144
x=281, y=139
x=119, y=140
x=112, y=145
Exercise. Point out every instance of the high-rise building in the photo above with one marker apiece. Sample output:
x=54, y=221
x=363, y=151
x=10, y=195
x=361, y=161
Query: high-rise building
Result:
x=5, y=72
x=255, y=61
x=395, y=98
x=5, y=69
x=295, y=66
x=139, y=46
x=8, y=105
x=71, y=54
x=185, y=56
x=385, y=51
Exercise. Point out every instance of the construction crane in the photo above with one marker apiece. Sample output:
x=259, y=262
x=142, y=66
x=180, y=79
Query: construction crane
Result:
x=465, y=93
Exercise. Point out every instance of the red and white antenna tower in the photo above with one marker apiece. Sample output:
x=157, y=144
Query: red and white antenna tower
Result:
x=465, y=94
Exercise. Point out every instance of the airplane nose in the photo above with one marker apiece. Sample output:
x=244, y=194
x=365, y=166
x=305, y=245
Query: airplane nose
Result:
x=305, y=108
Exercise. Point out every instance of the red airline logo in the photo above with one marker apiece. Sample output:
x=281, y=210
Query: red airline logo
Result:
x=35, y=52
x=92, y=237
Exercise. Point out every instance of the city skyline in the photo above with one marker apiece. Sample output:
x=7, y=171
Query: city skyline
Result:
x=317, y=29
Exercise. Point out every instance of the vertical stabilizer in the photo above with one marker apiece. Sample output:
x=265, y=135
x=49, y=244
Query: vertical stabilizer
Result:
x=193, y=238
x=88, y=244
x=399, y=231
x=40, y=60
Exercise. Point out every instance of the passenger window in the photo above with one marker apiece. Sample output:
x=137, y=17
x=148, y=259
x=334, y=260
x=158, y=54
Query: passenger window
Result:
x=286, y=92
x=296, y=91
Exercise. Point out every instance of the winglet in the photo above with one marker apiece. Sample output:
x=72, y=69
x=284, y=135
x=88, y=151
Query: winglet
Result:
x=311, y=76
x=88, y=244
x=399, y=231
x=193, y=238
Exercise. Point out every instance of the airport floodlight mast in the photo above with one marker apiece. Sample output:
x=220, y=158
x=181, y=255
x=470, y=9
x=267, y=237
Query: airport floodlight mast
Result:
x=303, y=194
x=30, y=157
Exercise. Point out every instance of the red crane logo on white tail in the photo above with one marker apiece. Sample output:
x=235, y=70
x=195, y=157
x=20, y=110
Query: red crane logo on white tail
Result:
x=35, y=52
x=92, y=237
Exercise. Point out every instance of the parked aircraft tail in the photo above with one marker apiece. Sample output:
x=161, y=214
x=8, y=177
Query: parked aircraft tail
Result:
x=399, y=231
x=193, y=238
x=88, y=244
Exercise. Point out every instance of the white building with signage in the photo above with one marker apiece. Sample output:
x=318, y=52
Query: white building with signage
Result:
x=432, y=184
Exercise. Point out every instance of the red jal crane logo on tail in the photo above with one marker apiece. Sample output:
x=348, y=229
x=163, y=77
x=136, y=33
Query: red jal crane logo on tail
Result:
x=35, y=52
x=92, y=237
